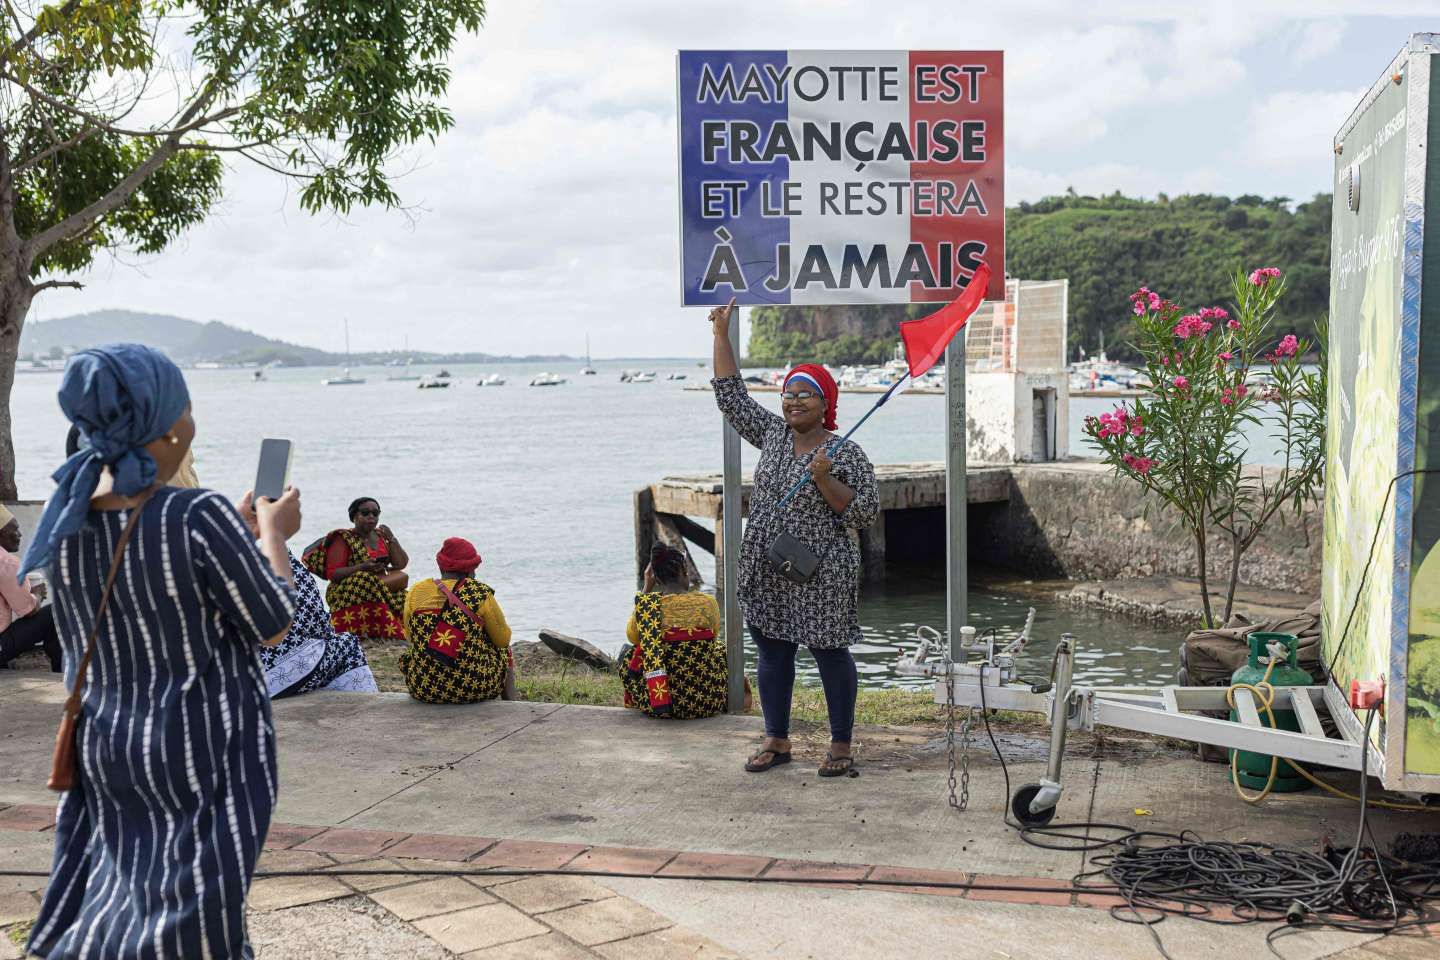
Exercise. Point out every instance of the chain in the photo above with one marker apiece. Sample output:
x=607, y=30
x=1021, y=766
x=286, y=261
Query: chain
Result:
x=963, y=800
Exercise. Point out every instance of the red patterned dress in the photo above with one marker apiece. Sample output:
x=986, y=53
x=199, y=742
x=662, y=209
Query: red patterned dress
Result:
x=360, y=603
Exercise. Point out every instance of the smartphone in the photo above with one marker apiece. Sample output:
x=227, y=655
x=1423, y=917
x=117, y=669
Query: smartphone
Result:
x=273, y=476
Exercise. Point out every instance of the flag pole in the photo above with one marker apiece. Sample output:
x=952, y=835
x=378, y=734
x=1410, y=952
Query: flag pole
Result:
x=837, y=444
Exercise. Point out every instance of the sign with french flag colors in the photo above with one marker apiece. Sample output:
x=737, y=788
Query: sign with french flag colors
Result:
x=818, y=176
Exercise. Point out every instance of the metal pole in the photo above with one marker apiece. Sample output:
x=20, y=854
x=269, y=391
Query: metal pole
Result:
x=730, y=536
x=957, y=501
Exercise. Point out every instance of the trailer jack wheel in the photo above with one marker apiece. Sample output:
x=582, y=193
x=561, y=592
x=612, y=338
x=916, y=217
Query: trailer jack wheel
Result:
x=1020, y=807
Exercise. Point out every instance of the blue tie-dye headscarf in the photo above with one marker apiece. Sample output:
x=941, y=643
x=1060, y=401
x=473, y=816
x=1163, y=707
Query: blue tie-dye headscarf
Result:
x=121, y=396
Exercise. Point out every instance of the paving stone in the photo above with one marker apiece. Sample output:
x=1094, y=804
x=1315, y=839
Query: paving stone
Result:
x=341, y=840
x=380, y=880
x=293, y=860
x=530, y=854
x=437, y=846
x=479, y=927
x=27, y=816
x=627, y=860
x=715, y=865
x=17, y=905
x=283, y=836
x=1398, y=947
x=543, y=894
x=431, y=897
x=913, y=880
x=606, y=920
x=551, y=947
x=352, y=929
x=813, y=870
x=281, y=892
x=1060, y=898
x=9, y=949
x=676, y=943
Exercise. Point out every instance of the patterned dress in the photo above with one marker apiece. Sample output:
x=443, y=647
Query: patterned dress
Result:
x=359, y=604
x=675, y=663
x=155, y=847
x=822, y=612
x=451, y=658
x=313, y=656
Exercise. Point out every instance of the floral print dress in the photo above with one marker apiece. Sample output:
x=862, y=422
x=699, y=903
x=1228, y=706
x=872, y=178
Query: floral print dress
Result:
x=823, y=612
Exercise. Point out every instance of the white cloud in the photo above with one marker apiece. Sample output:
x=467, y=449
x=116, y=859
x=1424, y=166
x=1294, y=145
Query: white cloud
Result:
x=1291, y=128
x=1317, y=39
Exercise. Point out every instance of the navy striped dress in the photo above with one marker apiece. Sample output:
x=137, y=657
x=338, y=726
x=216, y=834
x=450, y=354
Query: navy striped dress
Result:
x=155, y=847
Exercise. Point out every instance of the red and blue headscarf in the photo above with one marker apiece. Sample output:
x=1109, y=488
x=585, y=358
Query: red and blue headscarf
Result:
x=818, y=377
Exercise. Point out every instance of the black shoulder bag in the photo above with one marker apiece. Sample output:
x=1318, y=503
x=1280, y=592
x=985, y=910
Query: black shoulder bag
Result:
x=792, y=559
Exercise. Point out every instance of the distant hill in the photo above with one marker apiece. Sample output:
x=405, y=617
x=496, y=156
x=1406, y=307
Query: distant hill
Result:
x=184, y=340
x=187, y=341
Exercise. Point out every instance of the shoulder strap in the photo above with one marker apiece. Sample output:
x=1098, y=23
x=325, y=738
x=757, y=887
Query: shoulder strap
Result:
x=464, y=607
x=72, y=704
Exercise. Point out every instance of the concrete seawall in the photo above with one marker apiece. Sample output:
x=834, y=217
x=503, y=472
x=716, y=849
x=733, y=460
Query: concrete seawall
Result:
x=1077, y=520
x=1072, y=519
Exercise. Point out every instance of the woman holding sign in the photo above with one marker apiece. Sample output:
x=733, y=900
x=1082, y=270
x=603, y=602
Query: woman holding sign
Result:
x=800, y=559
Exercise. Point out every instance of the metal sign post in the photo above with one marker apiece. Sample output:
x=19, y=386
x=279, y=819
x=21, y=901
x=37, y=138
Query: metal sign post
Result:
x=957, y=497
x=731, y=508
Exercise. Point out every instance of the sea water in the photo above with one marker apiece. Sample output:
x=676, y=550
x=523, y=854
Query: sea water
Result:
x=542, y=481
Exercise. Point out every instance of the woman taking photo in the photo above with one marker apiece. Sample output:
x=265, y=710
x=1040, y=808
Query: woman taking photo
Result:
x=174, y=777
x=838, y=499
x=365, y=565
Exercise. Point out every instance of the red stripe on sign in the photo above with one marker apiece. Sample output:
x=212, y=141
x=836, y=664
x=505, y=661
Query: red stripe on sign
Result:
x=957, y=121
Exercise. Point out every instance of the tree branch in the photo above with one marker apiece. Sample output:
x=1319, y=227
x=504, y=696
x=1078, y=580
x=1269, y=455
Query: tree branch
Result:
x=51, y=284
x=100, y=123
x=28, y=37
x=55, y=148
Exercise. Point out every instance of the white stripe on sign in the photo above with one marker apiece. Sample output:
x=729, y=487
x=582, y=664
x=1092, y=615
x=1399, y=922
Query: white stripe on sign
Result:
x=842, y=205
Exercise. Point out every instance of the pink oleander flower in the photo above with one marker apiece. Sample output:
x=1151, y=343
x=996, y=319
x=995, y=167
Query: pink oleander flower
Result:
x=1181, y=383
x=1213, y=313
x=1226, y=355
x=1141, y=465
x=1289, y=346
x=1241, y=390
x=1137, y=426
x=1144, y=299
x=1191, y=326
x=1233, y=324
x=1259, y=278
x=1164, y=361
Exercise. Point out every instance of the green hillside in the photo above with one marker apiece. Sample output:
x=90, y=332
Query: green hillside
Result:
x=1182, y=247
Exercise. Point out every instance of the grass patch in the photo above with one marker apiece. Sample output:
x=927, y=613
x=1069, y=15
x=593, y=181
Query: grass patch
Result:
x=890, y=707
x=19, y=932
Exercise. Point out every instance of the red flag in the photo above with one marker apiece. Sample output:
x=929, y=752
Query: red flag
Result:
x=926, y=338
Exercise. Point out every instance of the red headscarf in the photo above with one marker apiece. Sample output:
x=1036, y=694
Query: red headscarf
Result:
x=821, y=378
x=457, y=555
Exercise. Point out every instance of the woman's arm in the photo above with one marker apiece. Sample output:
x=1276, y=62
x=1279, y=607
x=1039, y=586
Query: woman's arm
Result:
x=836, y=494
x=864, y=506
x=725, y=365
x=495, y=626
x=399, y=559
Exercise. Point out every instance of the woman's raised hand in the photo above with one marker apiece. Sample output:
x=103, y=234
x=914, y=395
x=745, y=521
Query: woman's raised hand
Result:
x=720, y=319
x=280, y=516
x=820, y=466
x=385, y=533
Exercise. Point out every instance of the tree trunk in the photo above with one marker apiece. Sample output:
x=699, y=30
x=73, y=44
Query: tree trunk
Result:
x=1235, y=552
x=15, y=296
x=1203, y=563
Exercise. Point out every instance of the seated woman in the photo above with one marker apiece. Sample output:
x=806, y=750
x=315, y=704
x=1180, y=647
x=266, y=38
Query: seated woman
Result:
x=365, y=566
x=675, y=664
x=313, y=656
x=459, y=640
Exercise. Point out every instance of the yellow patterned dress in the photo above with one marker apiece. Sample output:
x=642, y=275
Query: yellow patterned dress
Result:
x=452, y=658
x=675, y=664
x=360, y=603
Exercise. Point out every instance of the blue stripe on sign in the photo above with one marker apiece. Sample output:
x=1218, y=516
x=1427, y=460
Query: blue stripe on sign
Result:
x=753, y=236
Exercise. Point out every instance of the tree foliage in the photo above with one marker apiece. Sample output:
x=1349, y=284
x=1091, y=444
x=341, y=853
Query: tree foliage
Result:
x=1106, y=246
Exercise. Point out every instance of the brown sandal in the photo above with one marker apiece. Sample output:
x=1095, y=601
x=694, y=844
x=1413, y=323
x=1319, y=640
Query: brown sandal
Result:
x=756, y=765
x=848, y=768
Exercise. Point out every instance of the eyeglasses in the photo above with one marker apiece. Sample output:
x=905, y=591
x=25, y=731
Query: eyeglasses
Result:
x=367, y=512
x=797, y=395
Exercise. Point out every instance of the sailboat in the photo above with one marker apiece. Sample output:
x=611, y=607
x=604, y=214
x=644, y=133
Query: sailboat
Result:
x=347, y=380
x=587, y=370
x=407, y=375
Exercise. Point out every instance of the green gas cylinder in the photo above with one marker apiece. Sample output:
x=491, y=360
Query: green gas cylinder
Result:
x=1253, y=769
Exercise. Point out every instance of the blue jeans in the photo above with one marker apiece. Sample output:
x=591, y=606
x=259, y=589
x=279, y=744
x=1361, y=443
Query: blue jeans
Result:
x=776, y=671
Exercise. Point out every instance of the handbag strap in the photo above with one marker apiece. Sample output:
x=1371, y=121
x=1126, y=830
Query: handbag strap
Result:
x=464, y=607
x=72, y=703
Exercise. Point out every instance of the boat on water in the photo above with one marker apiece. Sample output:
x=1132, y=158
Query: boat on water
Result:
x=643, y=378
x=348, y=380
x=588, y=370
x=258, y=376
x=494, y=380
x=1100, y=373
x=676, y=376
x=547, y=380
x=433, y=383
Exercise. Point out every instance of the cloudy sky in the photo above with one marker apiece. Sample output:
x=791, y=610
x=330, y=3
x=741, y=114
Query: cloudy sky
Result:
x=549, y=211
